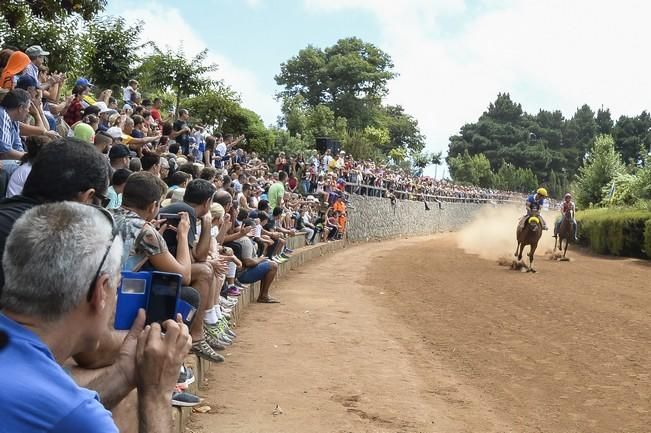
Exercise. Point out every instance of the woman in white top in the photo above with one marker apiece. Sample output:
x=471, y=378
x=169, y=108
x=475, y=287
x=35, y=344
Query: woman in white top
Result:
x=17, y=181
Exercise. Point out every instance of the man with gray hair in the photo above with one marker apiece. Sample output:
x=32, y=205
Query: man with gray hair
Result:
x=62, y=270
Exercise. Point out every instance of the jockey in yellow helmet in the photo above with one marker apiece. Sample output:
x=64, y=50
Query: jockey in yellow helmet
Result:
x=535, y=201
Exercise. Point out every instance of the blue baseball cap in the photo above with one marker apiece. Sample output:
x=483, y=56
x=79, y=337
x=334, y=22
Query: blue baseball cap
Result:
x=84, y=82
x=26, y=81
x=253, y=214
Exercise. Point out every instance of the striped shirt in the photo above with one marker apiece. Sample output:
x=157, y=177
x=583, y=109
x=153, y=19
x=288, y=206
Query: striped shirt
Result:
x=9, y=133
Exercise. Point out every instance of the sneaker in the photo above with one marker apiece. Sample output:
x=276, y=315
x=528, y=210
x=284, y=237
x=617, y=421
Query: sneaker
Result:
x=234, y=291
x=217, y=332
x=224, y=302
x=184, y=399
x=186, y=377
x=213, y=341
x=288, y=250
x=203, y=350
x=284, y=256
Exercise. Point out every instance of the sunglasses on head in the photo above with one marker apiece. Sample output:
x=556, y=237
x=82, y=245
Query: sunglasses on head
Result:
x=114, y=234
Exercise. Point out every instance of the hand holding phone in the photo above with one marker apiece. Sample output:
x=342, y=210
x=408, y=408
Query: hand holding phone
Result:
x=163, y=297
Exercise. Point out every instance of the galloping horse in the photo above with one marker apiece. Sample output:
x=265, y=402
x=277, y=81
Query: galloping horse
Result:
x=529, y=235
x=565, y=232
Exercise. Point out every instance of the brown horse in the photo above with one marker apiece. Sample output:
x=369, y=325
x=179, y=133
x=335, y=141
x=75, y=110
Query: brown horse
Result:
x=565, y=233
x=529, y=235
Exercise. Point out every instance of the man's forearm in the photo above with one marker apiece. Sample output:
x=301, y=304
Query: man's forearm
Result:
x=11, y=155
x=202, y=249
x=154, y=413
x=111, y=385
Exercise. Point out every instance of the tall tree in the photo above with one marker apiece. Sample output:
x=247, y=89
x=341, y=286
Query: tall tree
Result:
x=109, y=51
x=350, y=78
x=172, y=71
x=602, y=165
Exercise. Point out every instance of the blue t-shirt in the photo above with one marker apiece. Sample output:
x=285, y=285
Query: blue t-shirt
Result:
x=532, y=199
x=38, y=395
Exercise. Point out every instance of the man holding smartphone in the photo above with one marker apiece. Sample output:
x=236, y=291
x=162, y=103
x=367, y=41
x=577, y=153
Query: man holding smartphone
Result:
x=47, y=327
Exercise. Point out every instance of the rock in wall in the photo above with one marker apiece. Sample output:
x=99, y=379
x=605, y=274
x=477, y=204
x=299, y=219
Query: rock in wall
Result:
x=373, y=218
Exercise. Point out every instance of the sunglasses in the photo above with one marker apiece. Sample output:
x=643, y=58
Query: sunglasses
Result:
x=114, y=234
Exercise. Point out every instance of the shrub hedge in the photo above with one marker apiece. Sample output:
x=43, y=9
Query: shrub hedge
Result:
x=620, y=232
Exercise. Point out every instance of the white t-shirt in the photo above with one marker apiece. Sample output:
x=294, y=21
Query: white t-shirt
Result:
x=128, y=93
x=221, y=149
x=18, y=178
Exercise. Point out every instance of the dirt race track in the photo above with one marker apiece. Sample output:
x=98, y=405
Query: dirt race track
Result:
x=419, y=336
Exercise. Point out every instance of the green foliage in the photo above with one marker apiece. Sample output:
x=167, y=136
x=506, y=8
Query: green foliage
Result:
x=510, y=178
x=247, y=122
x=58, y=37
x=632, y=138
x=545, y=143
x=346, y=77
x=20, y=12
x=602, y=165
x=337, y=92
x=169, y=70
x=360, y=147
x=213, y=107
x=471, y=169
x=402, y=128
x=109, y=51
x=291, y=145
x=620, y=232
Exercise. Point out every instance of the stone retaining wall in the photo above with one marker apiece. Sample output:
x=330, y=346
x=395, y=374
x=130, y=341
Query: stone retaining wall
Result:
x=373, y=218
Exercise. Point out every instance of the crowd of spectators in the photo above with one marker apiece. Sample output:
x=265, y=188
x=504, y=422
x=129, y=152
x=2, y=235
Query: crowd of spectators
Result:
x=316, y=173
x=100, y=185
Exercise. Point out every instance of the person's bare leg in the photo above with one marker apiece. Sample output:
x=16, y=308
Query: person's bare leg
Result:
x=266, y=282
x=202, y=281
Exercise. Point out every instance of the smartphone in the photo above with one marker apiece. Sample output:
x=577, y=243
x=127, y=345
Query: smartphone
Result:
x=163, y=296
x=171, y=218
x=132, y=295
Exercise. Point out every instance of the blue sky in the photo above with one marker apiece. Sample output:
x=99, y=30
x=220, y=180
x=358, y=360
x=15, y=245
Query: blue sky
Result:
x=453, y=56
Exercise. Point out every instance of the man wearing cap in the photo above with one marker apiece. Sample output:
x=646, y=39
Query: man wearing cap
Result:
x=119, y=157
x=104, y=114
x=37, y=56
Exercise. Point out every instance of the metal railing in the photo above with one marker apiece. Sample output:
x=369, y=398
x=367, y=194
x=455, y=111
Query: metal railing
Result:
x=380, y=192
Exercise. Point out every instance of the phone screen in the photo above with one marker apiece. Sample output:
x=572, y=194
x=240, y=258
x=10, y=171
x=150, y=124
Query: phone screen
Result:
x=163, y=294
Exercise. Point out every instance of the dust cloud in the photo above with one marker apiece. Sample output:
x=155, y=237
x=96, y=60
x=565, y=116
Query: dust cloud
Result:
x=491, y=234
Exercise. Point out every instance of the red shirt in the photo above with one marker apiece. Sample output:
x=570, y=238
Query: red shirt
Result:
x=73, y=113
x=155, y=114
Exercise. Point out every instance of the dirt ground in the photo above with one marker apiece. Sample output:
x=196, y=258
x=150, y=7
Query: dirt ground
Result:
x=418, y=335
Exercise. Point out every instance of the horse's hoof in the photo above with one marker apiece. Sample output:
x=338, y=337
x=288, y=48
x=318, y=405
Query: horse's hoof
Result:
x=533, y=271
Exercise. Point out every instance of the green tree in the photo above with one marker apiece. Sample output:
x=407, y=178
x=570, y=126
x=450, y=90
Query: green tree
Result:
x=602, y=165
x=403, y=129
x=604, y=121
x=214, y=107
x=109, y=51
x=55, y=25
x=57, y=37
x=632, y=138
x=172, y=71
x=350, y=78
x=471, y=169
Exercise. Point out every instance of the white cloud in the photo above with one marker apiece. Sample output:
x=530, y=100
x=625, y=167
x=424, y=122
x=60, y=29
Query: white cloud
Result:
x=551, y=55
x=167, y=27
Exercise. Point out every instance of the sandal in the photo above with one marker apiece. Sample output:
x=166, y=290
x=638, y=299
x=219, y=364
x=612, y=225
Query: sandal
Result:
x=268, y=301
